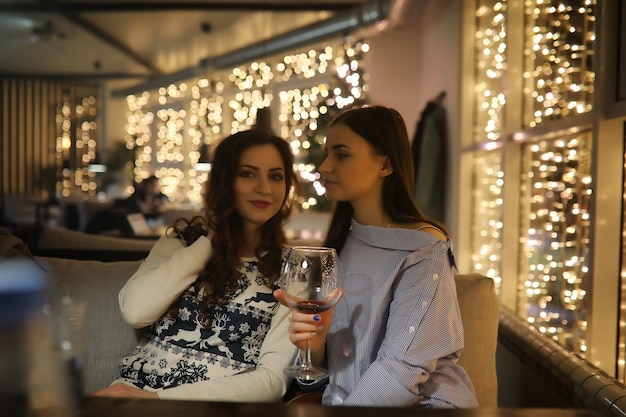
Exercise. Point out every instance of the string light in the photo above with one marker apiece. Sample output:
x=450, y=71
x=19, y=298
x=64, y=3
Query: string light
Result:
x=304, y=110
x=558, y=188
x=559, y=78
x=486, y=229
x=558, y=83
x=559, y=73
x=202, y=111
x=490, y=51
x=76, y=128
x=206, y=117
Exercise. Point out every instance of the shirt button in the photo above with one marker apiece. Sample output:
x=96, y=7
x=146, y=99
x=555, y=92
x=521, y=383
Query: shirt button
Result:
x=435, y=276
x=443, y=246
x=411, y=329
x=424, y=304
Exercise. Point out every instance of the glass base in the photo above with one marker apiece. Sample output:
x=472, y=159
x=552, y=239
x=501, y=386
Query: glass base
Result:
x=306, y=373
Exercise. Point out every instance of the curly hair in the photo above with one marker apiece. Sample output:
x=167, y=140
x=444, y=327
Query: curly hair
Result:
x=218, y=279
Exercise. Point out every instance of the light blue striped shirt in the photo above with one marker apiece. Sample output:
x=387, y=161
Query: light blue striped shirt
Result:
x=397, y=333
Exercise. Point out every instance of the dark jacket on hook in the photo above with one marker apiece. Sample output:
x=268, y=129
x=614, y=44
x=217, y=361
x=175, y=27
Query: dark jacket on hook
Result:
x=430, y=149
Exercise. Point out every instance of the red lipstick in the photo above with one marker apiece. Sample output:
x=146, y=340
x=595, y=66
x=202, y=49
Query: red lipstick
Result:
x=260, y=204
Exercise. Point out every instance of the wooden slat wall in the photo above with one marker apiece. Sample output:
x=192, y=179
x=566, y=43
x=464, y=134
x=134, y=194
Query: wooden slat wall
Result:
x=28, y=132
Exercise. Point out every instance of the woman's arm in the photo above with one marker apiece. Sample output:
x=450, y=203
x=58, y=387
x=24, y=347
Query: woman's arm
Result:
x=167, y=272
x=267, y=382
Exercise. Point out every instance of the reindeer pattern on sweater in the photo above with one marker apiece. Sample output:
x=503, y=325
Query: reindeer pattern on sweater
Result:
x=180, y=350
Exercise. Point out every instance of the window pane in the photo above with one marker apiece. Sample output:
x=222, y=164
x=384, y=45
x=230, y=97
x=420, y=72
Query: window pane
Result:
x=555, y=276
x=490, y=66
x=486, y=232
x=559, y=59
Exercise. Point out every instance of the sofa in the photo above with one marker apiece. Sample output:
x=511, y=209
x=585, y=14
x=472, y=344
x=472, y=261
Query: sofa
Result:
x=106, y=338
x=60, y=242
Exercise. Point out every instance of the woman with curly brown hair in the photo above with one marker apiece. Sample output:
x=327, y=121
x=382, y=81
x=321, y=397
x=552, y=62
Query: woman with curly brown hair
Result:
x=205, y=289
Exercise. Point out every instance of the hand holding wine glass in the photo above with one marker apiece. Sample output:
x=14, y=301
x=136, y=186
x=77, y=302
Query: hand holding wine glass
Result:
x=309, y=283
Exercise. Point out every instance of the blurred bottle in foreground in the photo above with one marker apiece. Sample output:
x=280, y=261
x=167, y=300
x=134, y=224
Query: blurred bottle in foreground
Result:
x=33, y=375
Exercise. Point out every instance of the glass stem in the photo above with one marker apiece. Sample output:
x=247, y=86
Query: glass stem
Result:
x=307, y=364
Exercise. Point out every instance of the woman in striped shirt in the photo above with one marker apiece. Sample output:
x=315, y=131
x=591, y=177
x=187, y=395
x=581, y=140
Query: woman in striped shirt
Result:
x=395, y=337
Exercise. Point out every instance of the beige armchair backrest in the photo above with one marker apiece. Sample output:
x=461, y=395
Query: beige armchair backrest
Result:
x=106, y=338
x=480, y=311
x=61, y=238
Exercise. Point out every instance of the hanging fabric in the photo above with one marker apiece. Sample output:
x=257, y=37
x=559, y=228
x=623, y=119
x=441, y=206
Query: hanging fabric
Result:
x=430, y=156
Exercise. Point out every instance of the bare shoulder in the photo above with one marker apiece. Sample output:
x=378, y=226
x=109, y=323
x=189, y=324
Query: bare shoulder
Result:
x=430, y=229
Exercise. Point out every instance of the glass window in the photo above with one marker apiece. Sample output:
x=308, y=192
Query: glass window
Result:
x=554, y=233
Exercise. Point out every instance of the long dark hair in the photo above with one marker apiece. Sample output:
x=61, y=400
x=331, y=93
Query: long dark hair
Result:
x=219, y=277
x=384, y=129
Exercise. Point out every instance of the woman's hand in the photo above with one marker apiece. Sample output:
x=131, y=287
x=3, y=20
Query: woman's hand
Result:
x=121, y=390
x=311, y=327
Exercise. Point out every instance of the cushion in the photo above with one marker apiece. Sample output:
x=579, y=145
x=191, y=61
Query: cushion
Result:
x=480, y=311
x=106, y=337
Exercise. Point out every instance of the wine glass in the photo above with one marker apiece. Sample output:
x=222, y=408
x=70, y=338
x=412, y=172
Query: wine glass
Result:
x=309, y=280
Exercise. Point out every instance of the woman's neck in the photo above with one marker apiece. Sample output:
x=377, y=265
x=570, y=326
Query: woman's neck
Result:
x=252, y=238
x=371, y=215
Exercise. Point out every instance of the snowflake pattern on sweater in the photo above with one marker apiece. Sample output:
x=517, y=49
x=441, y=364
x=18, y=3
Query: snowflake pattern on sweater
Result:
x=179, y=350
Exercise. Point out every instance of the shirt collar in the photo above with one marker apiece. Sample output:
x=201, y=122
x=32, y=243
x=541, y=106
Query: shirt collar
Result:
x=391, y=237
